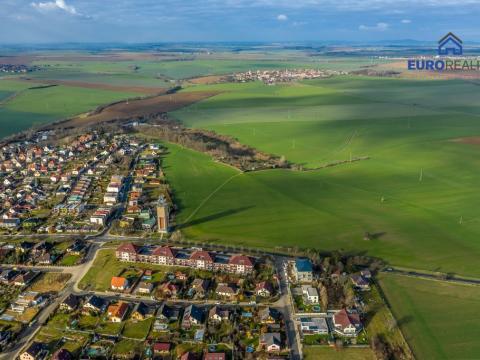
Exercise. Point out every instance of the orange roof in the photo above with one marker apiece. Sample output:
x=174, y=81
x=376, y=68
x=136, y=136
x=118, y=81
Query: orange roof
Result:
x=118, y=281
x=118, y=310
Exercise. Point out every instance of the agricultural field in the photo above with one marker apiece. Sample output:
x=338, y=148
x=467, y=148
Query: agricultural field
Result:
x=416, y=192
x=329, y=353
x=28, y=104
x=438, y=319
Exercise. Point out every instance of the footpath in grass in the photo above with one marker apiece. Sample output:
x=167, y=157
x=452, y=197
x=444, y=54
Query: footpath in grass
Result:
x=438, y=319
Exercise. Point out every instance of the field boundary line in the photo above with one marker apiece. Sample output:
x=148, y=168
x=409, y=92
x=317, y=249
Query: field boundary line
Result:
x=204, y=201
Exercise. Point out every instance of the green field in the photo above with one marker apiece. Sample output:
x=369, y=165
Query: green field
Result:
x=31, y=107
x=438, y=319
x=328, y=353
x=417, y=192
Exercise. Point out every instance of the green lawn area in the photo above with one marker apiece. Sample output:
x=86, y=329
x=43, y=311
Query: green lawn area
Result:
x=105, y=266
x=128, y=347
x=109, y=328
x=417, y=192
x=137, y=330
x=69, y=260
x=328, y=353
x=438, y=319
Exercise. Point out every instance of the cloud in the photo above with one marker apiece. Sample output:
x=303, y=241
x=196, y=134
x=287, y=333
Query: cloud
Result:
x=282, y=17
x=406, y=21
x=55, y=5
x=381, y=26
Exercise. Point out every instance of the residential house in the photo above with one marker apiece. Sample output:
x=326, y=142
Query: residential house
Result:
x=95, y=304
x=116, y=312
x=316, y=326
x=227, y=290
x=119, y=283
x=264, y=289
x=200, y=287
x=62, y=354
x=303, y=270
x=141, y=311
x=25, y=278
x=271, y=342
x=144, y=288
x=188, y=356
x=347, y=323
x=169, y=289
x=35, y=351
x=214, y=356
x=268, y=315
x=193, y=315
x=70, y=303
x=310, y=294
x=161, y=348
x=359, y=282
x=218, y=314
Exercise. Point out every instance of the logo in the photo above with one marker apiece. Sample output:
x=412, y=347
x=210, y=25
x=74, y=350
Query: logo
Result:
x=449, y=57
x=450, y=44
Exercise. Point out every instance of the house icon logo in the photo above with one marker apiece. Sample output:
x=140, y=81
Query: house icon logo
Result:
x=450, y=44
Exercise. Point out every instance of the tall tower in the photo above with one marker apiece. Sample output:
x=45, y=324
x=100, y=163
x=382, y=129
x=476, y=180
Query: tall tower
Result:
x=162, y=215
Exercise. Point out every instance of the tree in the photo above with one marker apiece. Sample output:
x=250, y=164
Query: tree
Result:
x=324, y=297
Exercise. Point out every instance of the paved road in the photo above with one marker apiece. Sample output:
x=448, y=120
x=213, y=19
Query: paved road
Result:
x=285, y=303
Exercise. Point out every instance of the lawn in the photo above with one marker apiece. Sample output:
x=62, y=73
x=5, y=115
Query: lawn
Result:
x=438, y=319
x=137, y=330
x=69, y=260
x=128, y=347
x=50, y=281
x=105, y=266
x=328, y=353
x=417, y=191
x=109, y=328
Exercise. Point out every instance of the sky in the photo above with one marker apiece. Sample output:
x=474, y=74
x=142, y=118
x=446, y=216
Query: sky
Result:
x=141, y=21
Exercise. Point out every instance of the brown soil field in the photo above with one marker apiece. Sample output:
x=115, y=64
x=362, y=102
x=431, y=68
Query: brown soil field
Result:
x=205, y=80
x=472, y=140
x=82, y=84
x=132, y=109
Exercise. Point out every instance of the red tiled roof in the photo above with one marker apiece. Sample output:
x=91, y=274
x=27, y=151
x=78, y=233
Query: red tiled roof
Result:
x=163, y=251
x=117, y=310
x=214, y=356
x=118, y=281
x=161, y=347
x=128, y=247
x=240, y=260
x=344, y=319
x=201, y=255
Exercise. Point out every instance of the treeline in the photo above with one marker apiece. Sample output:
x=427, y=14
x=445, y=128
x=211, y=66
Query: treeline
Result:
x=220, y=147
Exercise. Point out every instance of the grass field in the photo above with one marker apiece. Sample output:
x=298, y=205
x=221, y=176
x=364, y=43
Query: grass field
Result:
x=417, y=192
x=50, y=281
x=105, y=266
x=328, y=353
x=438, y=319
x=30, y=107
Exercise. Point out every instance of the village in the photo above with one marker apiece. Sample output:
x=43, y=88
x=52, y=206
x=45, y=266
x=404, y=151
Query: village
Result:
x=90, y=268
x=271, y=77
